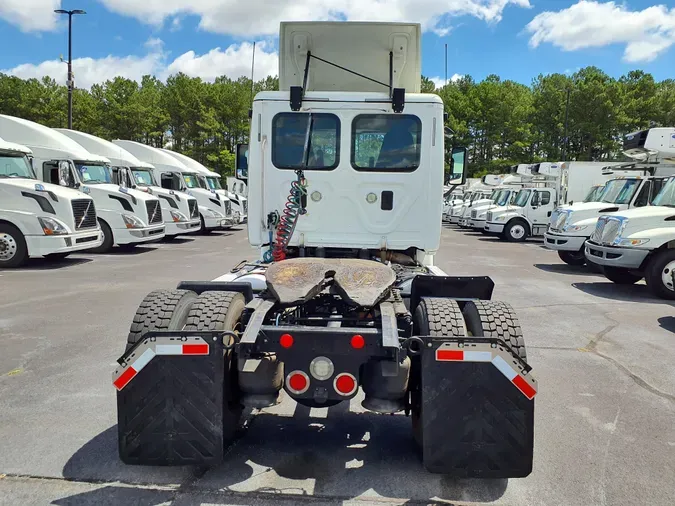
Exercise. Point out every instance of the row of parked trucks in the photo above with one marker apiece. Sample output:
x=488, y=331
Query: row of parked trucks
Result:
x=614, y=216
x=63, y=191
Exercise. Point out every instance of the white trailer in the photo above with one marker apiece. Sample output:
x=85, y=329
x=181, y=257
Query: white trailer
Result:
x=210, y=180
x=40, y=219
x=345, y=184
x=179, y=210
x=552, y=185
x=171, y=173
x=127, y=217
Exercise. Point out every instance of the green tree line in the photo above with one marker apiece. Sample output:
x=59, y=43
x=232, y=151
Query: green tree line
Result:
x=501, y=122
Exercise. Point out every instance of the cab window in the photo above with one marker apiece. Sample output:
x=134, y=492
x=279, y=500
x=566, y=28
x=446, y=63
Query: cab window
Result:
x=386, y=142
x=320, y=130
x=544, y=198
x=642, y=198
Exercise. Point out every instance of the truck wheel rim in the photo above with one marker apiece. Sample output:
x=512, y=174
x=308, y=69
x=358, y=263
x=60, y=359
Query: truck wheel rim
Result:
x=7, y=247
x=667, y=276
x=517, y=231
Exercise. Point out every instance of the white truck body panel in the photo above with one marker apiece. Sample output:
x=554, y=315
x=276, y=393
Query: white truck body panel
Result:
x=50, y=147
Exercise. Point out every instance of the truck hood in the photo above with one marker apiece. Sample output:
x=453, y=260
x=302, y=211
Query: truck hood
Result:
x=499, y=210
x=648, y=213
x=581, y=214
x=637, y=221
x=60, y=191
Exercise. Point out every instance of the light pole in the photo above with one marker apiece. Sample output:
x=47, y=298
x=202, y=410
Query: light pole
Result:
x=567, y=117
x=70, y=82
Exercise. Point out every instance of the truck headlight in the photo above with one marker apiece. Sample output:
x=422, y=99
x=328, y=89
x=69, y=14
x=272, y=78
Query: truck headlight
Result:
x=177, y=216
x=575, y=228
x=51, y=226
x=215, y=214
x=633, y=242
x=132, y=221
x=500, y=218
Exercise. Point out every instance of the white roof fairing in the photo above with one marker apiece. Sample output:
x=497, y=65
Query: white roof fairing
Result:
x=117, y=155
x=191, y=163
x=160, y=159
x=12, y=147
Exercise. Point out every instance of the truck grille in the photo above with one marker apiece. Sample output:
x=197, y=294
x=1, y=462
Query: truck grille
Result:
x=560, y=220
x=194, y=210
x=228, y=208
x=473, y=214
x=489, y=216
x=245, y=206
x=154, y=211
x=84, y=213
x=606, y=230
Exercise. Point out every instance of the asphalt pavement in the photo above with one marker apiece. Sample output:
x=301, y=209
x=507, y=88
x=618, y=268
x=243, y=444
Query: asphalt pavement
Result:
x=603, y=355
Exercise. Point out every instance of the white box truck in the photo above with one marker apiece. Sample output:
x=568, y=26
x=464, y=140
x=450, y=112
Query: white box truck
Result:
x=171, y=173
x=552, y=185
x=209, y=180
x=127, y=217
x=179, y=210
x=40, y=219
x=352, y=299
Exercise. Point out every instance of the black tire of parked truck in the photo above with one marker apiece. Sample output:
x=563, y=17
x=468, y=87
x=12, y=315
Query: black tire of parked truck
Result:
x=108, y=239
x=621, y=276
x=222, y=311
x=202, y=229
x=516, y=231
x=576, y=258
x=13, y=249
x=656, y=268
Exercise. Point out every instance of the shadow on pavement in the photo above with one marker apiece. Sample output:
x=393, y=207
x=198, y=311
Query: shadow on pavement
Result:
x=567, y=269
x=131, y=249
x=667, y=323
x=337, y=458
x=178, y=240
x=49, y=264
x=623, y=293
x=115, y=495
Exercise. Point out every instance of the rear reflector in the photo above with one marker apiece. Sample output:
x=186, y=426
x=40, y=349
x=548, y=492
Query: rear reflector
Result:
x=345, y=384
x=358, y=342
x=297, y=382
x=286, y=341
x=125, y=378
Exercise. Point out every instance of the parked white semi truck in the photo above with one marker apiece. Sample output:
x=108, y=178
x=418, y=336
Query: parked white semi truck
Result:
x=171, y=173
x=346, y=293
x=209, y=180
x=179, y=210
x=640, y=243
x=126, y=217
x=552, y=185
x=571, y=226
x=40, y=219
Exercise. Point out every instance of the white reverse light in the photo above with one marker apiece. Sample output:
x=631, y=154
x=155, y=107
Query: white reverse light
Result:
x=321, y=368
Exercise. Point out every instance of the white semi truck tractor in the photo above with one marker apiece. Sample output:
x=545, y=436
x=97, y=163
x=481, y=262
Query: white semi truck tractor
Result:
x=552, y=185
x=39, y=219
x=639, y=243
x=345, y=294
x=209, y=180
x=631, y=186
x=172, y=174
x=179, y=210
x=127, y=217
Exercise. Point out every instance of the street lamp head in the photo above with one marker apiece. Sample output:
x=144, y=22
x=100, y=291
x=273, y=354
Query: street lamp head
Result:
x=61, y=11
x=70, y=13
x=78, y=11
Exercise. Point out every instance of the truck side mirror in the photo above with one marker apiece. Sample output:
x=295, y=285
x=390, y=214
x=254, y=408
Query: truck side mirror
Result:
x=65, y=177
x=458, y=165
x=241, y=161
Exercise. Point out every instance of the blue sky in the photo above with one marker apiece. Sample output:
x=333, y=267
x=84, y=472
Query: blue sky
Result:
x=516, y=39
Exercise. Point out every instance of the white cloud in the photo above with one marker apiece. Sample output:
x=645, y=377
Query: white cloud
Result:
x=439, y=82
x=262, y=17
x=30, y=15
x=645, y=33
x=234, y=62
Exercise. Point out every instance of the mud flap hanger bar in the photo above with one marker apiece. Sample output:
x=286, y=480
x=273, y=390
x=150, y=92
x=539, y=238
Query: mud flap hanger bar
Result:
x=459, y=288
x=397, y=95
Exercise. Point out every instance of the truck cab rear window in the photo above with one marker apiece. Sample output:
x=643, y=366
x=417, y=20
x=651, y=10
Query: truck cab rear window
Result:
x=320, y=130
x=386, y=143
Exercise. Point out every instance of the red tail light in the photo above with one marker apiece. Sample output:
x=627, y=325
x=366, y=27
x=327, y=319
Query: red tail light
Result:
x=345, y=384
x=297, y=382
x=286, y=341
x=358, y=342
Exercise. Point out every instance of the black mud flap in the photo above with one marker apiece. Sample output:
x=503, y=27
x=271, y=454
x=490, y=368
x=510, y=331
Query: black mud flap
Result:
x=170, y=400
x=477, y=409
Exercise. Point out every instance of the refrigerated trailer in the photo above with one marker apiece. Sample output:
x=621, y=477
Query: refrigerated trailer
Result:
x=126, y=217
x=179, y=210
x=346, y=293
x=40, y=219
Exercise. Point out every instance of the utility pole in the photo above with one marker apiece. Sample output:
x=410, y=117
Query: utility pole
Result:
x=70, y=83
x=446, y=64
x=567, y=116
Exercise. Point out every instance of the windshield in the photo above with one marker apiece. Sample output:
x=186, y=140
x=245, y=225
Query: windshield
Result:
x=143, y=177
x=467, y=196
x=522, y=198
x=214, y=182
x=666, y=196
x=595, y=195
x=15, y=166
x=191, y=180
x=620, y=191
x=93, y=174
x=504, y=198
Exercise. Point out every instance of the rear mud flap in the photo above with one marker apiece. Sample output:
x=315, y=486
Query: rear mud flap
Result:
x=477, y=409
x=170, y=400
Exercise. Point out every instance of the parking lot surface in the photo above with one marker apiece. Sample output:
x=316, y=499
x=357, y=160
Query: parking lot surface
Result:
x=603, y=355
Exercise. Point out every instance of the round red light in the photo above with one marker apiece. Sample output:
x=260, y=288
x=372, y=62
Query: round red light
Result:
x=358, y=342
x=298, y=382
x=286, y=341
x=345, y=384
